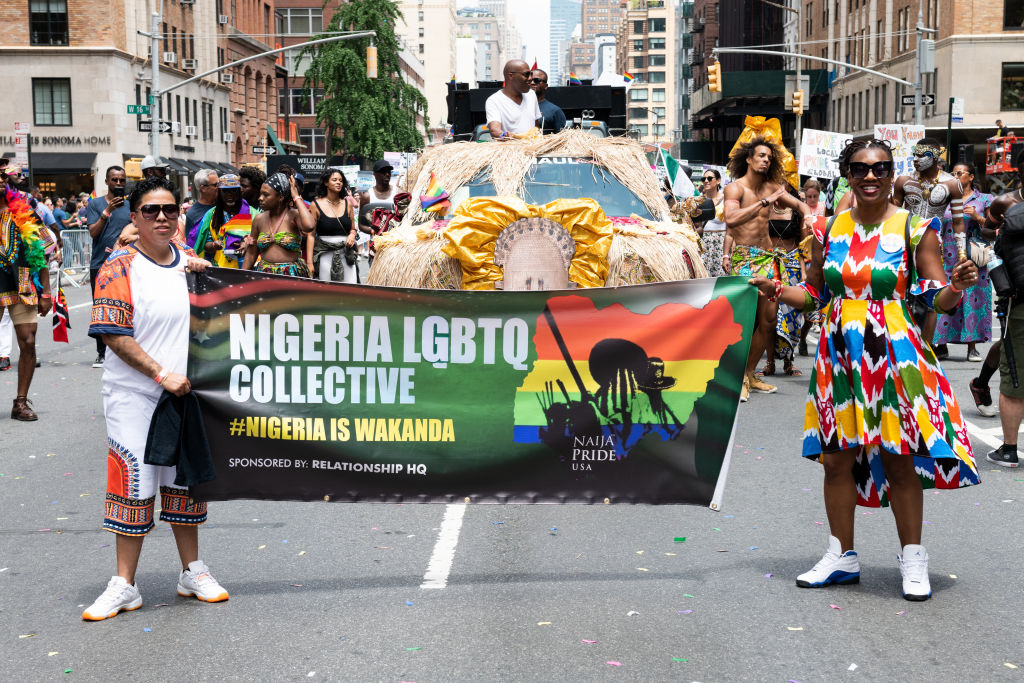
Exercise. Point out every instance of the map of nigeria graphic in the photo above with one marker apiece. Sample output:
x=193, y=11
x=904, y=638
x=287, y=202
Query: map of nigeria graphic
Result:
x=604, y=379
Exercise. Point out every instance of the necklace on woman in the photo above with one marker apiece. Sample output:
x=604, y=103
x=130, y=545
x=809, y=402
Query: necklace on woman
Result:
x=335, y=202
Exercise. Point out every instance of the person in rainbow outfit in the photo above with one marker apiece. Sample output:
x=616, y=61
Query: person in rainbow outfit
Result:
x=24, y=282
x=218, y=236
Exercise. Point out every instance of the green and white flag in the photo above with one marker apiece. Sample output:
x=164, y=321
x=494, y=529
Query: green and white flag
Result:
x=682, y=186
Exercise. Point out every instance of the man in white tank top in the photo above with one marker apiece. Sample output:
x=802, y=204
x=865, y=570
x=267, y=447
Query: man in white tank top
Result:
x=381, y=195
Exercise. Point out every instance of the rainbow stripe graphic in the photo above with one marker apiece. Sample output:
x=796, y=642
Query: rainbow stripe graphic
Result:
x=436, y=198
x=630, y=374
x=573, y=80
x=628, y=77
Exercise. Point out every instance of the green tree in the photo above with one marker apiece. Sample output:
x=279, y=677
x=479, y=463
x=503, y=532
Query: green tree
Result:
x=364, y=116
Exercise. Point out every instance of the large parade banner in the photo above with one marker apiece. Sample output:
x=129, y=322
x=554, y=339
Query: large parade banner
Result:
x=902, y=138
x=819, y=153
x=326, y=391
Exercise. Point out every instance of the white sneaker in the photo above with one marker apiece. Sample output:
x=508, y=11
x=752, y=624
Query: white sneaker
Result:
x=835, y=567
x=914, y=568
x=118, y=597
x=197, y=581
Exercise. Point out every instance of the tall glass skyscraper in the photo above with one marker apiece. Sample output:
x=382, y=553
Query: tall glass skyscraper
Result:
x=566, y=15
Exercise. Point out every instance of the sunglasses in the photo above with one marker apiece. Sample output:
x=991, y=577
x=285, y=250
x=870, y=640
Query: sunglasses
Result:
x=537, y=81
x=880, y=169
x=151, y=211
x=708, y=178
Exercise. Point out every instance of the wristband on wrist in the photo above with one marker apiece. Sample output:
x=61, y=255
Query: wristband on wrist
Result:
x=160, y=376
x=104, y=215
x=764, y=202
x=953, y=287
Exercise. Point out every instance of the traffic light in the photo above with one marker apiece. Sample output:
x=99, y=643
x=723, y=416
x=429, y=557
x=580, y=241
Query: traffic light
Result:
x=715, y=77
x=798, y=102
x=371, y=61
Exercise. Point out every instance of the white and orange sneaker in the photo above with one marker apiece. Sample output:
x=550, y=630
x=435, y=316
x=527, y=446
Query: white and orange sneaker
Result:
x=119, y=597
x=196, y=581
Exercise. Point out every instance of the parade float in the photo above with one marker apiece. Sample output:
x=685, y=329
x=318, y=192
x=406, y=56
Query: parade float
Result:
x=541, y=212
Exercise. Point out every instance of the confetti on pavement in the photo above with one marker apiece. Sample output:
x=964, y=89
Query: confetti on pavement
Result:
x=642, y=569
x=680, y=659
x=853, y=667
x=1009, y=666
x=901, y=613
x=632, y=613
x=147, y=629
x=795, y=628
x=589, y=642
x=543, y=623
x=613, y=663
x=837, y=607
x=684, y=611
x=681, y=539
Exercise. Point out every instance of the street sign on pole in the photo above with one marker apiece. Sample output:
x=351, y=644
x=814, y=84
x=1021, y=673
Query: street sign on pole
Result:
x=256, y=149
x=146, y=126
x=22, y=129
x=138, y=109
x=956, y=107
x=927, y=99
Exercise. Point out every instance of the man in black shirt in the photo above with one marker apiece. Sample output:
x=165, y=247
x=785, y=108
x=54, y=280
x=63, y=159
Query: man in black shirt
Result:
x=551, y=113
x=106, y=217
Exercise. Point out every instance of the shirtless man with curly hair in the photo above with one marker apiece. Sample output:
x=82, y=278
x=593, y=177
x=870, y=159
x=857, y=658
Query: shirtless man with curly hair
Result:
x=758, y=189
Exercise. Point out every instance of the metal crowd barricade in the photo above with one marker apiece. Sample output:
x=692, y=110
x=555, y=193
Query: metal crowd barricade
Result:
x=77, y=247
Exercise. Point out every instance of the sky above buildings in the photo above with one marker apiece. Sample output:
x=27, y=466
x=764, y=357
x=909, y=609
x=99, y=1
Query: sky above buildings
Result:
x=532, y=19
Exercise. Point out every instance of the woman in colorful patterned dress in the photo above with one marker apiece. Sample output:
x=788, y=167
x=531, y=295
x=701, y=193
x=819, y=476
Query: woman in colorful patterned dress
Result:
x=880, y=414
x=972, y=322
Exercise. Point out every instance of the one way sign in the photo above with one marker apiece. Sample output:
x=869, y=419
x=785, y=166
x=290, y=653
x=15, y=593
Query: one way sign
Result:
x=146, y=126
x=926, y=100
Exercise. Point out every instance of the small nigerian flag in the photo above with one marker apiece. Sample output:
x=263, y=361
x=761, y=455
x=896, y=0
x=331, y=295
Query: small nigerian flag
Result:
x=682, y=186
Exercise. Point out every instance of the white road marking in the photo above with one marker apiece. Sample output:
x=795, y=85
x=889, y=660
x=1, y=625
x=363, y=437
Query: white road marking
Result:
x=444, y=549
x=87, y=303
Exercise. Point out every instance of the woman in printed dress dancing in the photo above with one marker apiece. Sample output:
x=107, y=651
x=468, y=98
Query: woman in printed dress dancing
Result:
x=880, y=414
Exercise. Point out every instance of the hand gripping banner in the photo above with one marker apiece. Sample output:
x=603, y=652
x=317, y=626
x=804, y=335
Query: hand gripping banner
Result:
x=326, y=391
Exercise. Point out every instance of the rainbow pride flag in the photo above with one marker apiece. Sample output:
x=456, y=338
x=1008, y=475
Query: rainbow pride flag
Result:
x=628, y=77
x=452, y=82
x=612, y=377
x=573, y=80
x=436, y=198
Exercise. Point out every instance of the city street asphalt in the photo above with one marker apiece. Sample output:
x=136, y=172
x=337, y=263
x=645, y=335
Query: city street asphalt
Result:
x=323, y=591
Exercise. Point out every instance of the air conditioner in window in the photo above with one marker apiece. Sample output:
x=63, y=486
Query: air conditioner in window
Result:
x=187, y=2
x=227, y=78
x=229, y=137
x=189, y=63
x=191, y=131
x=223, y=19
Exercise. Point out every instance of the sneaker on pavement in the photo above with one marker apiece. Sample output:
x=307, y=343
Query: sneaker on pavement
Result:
x=98, y=363
x=197, y=581
x=835, y=567
x=1005, y=456
x=914, y=568
x=974, y=356
x=745, y=390
x=118, y=597
x=5, y=363
x=761, y=386
x=983, y=398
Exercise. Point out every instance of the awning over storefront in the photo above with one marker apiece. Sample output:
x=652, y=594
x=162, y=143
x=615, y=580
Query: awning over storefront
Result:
x=202, y=164
x=189, y=167
x=176, y=165
x=61, y=162
x=222, y=167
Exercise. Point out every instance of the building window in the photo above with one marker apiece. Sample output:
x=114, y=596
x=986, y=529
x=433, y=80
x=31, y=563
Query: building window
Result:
x=656, y=60
x=638, y=27
x=638, y=46
x=658, y=128
x=295, y=65
x=656, y=25
x=637, y=113
x=1013, y=14
x=300, y=21
x=292, y=102
x=638, y=62
x=51, y=101
x=656, y=43
x=655, y=76
x=1012, y=92
x=48, y=22
x=314, y=140
x=419, y=15
x=639, y=128
x=636, y=95
x=658, y=95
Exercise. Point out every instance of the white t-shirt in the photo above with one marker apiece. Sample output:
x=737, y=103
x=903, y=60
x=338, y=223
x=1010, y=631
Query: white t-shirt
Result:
x=514, y=118
x=149, y=302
